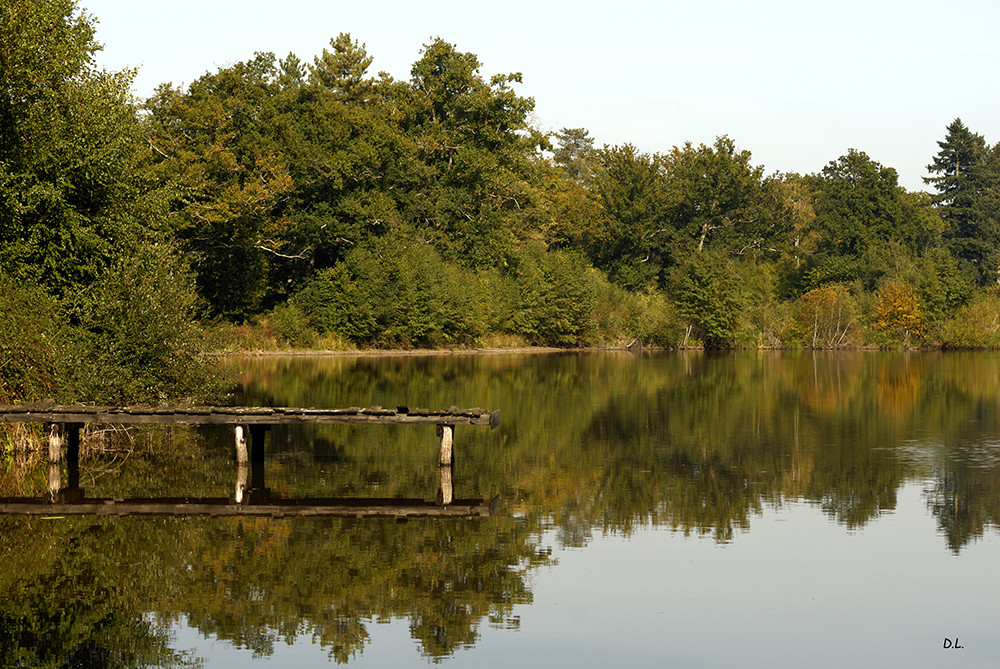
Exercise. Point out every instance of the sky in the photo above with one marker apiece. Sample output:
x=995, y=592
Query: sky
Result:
x=795, y=82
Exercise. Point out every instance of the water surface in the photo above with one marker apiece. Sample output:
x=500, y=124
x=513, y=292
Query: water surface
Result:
x=786, y=509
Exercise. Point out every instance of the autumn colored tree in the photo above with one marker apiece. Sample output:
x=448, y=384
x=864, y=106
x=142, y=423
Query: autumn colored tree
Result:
x=826, y=317
x=897, y=313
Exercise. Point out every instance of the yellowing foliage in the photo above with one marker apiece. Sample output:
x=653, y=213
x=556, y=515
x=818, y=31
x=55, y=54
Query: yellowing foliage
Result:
x=897, y=312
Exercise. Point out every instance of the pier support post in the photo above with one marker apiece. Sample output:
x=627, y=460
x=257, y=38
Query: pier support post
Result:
x=64, y=435
x=447, y=434
x=258, y=489
x=447, y=493
x=55, y=455
x=242, y=463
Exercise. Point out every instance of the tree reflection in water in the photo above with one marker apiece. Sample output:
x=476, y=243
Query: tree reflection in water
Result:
x=590, y=443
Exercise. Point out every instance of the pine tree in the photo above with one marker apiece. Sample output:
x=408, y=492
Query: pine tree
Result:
x=964, y=175
x=343, y=70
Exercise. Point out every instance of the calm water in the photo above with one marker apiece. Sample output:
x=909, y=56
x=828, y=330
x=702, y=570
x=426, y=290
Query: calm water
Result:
x=684, y=510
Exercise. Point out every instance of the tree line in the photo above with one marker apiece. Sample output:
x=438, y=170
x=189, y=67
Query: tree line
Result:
x=289, y=203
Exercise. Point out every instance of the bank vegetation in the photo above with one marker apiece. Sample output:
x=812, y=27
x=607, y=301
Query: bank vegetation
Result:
x=283, y=204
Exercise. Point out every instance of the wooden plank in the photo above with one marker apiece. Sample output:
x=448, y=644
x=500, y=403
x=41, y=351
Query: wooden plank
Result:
x=242, y=415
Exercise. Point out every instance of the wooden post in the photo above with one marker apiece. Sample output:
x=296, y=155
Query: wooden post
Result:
x=447, y=494
x=73, y=459
x=242, y=456
x=242, y=463
x=257, y=485
x=447, y=434
x=55, y=454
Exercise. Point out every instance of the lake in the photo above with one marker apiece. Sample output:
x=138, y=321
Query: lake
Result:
x=669, y=509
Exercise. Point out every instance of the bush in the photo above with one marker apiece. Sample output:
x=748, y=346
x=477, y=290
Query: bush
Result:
x=977, y=324
x=656, y=319
x=708, y=296
x=135, y=337
x=554, y=297
x=32, y=345
x=826, y=318
x=897, y=319
x=391, y=293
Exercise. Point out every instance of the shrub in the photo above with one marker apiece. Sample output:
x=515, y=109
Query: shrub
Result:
x=897, y=318
x=707, y=294
x=977, y=324
x=135, y=338
x=392, y=293
x=826, y=317
x=32, y=345
x=554, y=298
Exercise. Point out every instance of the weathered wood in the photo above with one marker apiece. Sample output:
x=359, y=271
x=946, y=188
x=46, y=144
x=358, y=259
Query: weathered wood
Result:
x=243, y=415
x=447, y=434
x=55, y=432
x=447, y=492
x=242, y=463
x=342, y=508
x=65, y=423
x=242, y=470
x=242, y=455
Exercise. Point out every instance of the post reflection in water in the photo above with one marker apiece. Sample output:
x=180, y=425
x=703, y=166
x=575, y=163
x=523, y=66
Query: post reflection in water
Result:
x=693, y=509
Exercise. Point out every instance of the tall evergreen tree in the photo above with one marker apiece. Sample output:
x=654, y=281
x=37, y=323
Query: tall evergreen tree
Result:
x=575, y=153
x=344, y=69
x=964, y=177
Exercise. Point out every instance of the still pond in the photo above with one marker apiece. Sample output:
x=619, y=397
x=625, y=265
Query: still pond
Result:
x=671, y=509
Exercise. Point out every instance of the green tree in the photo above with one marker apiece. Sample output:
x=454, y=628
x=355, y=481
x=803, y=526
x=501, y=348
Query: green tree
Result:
x=967, y=176
x=212, y=148
x=576, y=154
x=478, y=149
x=865, y=224
x=634, y=242
x=717, y=197
x=72, y=191
x=707, y=292
x=343, y=70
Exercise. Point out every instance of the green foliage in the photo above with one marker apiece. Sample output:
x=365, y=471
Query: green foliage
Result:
x=211, y=149
x=72, y=195
x=343, y=71
x=392, y=294
x=575, y=153
x=707, y=292
x=130, y=337
x=554, y=296
x=137, y=340
x=967, y=175
x=630, y=248
x=827, y=317
x=975, y=325
x=32, y=344
x=651, y=318
x=719, y=200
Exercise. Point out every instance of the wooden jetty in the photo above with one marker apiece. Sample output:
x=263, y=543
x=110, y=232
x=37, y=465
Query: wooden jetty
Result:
x=64, y=424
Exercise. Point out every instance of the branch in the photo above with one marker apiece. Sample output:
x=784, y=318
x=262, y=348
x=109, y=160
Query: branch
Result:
x=300, y=256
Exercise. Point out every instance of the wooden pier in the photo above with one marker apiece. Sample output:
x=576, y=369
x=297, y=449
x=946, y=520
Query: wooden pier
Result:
x=250, y=425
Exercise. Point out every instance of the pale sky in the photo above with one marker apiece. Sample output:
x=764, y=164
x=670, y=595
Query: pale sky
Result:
x=796, y=82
